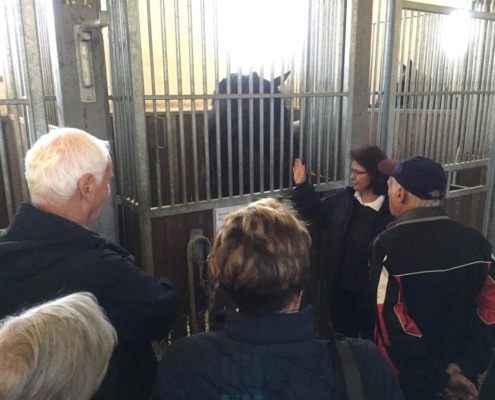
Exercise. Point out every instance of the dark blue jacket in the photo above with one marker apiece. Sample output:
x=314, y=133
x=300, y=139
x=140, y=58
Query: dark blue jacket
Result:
x=43, y=256
x=272, y=357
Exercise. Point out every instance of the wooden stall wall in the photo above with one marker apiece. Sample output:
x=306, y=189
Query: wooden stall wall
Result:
x=171, y=235
x=467, y=210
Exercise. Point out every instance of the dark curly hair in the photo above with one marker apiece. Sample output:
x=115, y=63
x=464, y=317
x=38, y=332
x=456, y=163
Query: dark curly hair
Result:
x=369, y=157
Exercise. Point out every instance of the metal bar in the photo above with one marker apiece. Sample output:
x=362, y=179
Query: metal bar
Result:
x=140, y=144
x=178, y=49
x=467, y=165
x=193, y=103
x=431, y=8
x=490, y=176
x=206, y=164
x=235, y=200
x=13, y=102
x=245, y=96
x=385, y=127
x=272, y=137
x=19, y=190
x=217, y=115
x=36, y=123
x=168, y=133
x=465, y=191
x=9, y=204
x=262, y=134
x=154, y=108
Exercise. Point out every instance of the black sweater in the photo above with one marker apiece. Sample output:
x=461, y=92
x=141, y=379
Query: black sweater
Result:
x=334, y=214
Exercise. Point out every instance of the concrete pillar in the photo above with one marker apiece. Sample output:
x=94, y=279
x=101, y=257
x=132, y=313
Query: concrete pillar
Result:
x=92, y=116
x=357, y=71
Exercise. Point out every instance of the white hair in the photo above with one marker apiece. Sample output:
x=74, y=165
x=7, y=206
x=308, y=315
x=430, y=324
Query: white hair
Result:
x=57, y=161
x=57, y=350
x=415, y=200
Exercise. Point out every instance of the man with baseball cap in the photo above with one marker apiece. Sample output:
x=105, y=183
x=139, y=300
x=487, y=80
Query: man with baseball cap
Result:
x=433, y=281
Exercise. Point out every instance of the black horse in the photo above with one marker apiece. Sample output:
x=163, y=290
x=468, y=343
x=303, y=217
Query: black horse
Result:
x=258, y=130
x=411, y=80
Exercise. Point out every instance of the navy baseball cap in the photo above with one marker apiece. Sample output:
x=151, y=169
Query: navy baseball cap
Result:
x=421, y=176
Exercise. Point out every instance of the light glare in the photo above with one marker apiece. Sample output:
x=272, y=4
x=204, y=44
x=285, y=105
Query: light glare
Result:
x=456, y=33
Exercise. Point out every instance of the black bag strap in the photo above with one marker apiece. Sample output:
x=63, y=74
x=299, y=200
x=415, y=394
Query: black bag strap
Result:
x=347, y=370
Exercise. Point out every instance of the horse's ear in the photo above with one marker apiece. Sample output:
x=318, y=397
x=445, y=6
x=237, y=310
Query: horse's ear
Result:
x=277, y=81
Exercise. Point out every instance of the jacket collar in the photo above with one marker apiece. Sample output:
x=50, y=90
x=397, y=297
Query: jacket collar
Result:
x=422, y=214
x=270, y=329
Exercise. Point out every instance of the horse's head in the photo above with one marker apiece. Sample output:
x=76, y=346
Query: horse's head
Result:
x=245, y=84
x=261, y=120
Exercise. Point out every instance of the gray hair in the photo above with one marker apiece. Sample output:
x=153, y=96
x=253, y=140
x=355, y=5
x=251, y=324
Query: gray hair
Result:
x=57, y=161
x=57, y=350
x=414, y=200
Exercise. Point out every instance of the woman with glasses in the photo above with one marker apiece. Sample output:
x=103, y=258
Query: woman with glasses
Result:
x=351, y=219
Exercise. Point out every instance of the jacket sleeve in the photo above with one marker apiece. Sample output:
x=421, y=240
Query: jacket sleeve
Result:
x=398, y=338
x=477, y=352
x=140, y=306
x=311, y=206
x=485, y=300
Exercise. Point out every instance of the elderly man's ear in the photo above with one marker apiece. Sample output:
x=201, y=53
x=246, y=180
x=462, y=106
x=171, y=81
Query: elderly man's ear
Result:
x=85, y=185
x=400, y=194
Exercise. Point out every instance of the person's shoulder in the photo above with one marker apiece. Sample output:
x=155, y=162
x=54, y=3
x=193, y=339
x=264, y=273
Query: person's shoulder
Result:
x=199, y=346
x=103, y=251
x=188, y=368
x=474, y=233
x=347, y=192
x=468, y=236
x=341, y=198
x=198, y=340
x=385, y=238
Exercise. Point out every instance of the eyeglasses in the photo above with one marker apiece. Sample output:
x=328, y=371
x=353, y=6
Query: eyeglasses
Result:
x=356, y=172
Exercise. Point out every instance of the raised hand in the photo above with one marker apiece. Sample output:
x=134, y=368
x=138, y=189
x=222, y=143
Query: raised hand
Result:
x=299, y=171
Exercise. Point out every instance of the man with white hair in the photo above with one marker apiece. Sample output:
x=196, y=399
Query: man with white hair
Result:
x=433, y=284
x=48, y=250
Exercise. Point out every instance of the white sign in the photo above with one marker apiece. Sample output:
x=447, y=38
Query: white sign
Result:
x=219, y=215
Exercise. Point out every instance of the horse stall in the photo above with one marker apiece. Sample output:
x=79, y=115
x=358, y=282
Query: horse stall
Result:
x=206, y=119
x=432, y=95
x=217, y=116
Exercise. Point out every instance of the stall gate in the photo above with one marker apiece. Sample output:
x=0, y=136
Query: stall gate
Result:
x=434, y=96
x=178, y=154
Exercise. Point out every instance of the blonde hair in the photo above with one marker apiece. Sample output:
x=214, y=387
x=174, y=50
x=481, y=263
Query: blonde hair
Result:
x=260, y=256
x=56, y=162
x=57, y=350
